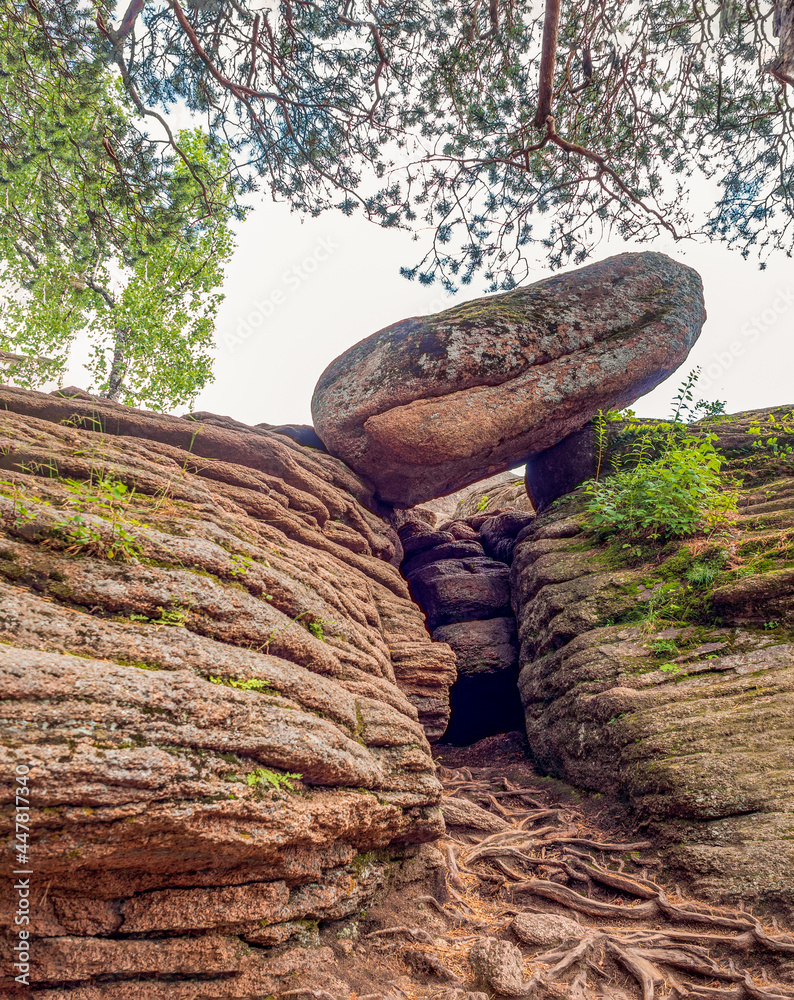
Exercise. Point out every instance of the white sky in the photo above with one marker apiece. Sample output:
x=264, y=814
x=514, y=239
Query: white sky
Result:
x=278, y=328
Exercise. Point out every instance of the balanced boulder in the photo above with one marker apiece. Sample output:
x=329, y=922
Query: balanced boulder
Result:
x=429, y=405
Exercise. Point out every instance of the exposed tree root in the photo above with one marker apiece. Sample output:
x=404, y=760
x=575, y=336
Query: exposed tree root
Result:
x=666, y=947
x=415, y=933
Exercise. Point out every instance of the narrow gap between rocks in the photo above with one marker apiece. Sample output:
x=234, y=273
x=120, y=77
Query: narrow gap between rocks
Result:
x=483, y=706
x=459, y=574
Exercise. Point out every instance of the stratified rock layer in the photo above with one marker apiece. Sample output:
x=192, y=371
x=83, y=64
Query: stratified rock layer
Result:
x=203, y=674
x=466, y=597
x=427, y=406
x=669, y=683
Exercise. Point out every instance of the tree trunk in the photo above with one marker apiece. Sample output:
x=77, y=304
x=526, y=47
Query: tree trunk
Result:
x=783, y=67
x=548, y=57
x=118, y=368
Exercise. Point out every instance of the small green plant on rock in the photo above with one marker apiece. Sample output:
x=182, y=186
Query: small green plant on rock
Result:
x=664, y=647
x=265, y=647
x=239, y=565
x=176, y=616
x=20, y=503
x=783, y=425
x=317, y=628
x=87, y=539
x=708, y=410
x=110, y=499
x=665, y=485
x=662, y=610
x=263, y=777
x=251, y=684
x=671, y=497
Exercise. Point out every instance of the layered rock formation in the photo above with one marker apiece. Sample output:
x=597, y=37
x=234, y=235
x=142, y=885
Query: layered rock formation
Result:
x=429, y=405
x=221, y=691
x=666, y=678
x=507, y=490
x=461, y=579
x=504, y=492
x=208, y=662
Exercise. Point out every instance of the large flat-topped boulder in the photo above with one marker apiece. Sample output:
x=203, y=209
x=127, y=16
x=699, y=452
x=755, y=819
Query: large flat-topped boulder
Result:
x=429, y=405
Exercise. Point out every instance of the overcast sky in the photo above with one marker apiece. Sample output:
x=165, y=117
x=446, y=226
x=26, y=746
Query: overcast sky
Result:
x=299, y=293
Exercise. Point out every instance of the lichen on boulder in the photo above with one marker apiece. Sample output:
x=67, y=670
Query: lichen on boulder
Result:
x=427, y=406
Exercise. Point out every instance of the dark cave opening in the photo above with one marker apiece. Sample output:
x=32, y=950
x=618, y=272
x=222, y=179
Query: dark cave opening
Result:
x=459, y=575
x=483, y=705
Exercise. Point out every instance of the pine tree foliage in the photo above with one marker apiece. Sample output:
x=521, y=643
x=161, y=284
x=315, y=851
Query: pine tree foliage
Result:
x=501, y=128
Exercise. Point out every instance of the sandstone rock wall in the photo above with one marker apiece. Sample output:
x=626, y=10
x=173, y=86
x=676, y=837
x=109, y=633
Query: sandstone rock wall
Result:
x=507, y=490
x=215, y=673
x=666, y=678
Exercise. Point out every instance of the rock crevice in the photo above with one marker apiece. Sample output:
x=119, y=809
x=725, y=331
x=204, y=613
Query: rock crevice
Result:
x=460, y=577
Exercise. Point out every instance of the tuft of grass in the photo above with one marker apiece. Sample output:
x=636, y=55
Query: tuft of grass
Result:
x=664, y=647
x=701, y=574
x=251, y=684
x=109, y=499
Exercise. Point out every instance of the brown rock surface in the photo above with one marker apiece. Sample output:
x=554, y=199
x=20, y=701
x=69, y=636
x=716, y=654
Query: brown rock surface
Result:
x=208, y=662
x=503, y=492
x=560, y=469
x=667, y=680
x=447, y=550
x=498, y=534
x=429, y=405
x=452, y=590
x=499, y=965
x=466, y=599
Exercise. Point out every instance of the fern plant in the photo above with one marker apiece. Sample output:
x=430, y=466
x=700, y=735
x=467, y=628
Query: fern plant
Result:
x=262, y=776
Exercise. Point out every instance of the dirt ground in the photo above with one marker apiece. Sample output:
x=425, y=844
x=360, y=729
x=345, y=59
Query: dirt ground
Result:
x=539, y=891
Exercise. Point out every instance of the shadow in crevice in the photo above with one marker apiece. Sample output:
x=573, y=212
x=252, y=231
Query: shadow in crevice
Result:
x=459, y=575
x=484, y=706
